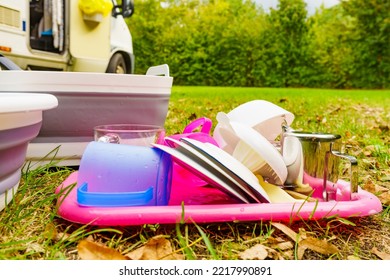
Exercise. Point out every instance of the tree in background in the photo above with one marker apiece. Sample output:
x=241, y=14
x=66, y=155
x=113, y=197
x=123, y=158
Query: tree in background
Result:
x=285, y=45
x=370, y=42
x=204, y=43
x=149, y=27
x=235, y=43
x=330, y=54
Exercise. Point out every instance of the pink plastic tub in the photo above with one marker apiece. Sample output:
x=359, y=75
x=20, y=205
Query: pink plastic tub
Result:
x=203, y=204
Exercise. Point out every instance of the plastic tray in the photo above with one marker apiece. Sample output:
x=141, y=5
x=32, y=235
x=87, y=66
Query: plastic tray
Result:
x=208, y=204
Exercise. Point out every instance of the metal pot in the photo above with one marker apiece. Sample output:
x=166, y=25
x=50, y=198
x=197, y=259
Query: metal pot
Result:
x=321, y=160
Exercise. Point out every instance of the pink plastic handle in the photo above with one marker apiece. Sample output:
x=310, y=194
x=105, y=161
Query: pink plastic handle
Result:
x=161, y=138
x=204, y=123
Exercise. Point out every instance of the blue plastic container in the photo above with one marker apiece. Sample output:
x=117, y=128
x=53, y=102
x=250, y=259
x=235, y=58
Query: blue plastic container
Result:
x=123, y=175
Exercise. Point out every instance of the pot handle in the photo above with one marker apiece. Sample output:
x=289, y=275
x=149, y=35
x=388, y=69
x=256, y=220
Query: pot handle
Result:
x=204, y=124
x=353, y=170
x=7, y=64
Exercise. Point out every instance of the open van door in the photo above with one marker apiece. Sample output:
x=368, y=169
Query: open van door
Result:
x=68, y=35
x=89, y=39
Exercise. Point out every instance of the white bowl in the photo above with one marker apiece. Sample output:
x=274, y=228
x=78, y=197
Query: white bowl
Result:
x=258, y=154
x=20, y=122
x=263, y=116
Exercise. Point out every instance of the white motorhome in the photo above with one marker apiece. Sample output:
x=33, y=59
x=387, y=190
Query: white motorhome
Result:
x=59, y=35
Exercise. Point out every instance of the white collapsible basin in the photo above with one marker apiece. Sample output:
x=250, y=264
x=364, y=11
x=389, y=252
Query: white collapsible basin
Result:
x=20, y=122
x=86, y=100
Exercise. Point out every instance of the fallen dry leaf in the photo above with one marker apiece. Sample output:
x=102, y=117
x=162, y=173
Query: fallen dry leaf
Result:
x=89, y=250
x=384, y=198
x=382, y=255
x=257, y=252
x=288, y=231
x=34, y=247
x=276, y=239
x=384, y=127
x=53, y=234
x=319, y=246
x=279, y=255
x=372, y=187
x=157, y=248
x=301, y=252
x=50, y=231
x=305, y=242
x=302, y=233
x=385, y=178
x=284, y=245
x=369, y=150
x=353, y=258
x=382, y=193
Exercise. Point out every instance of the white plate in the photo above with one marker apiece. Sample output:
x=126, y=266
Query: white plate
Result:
x=202, y=170
x=259, y=155
x=232, y=167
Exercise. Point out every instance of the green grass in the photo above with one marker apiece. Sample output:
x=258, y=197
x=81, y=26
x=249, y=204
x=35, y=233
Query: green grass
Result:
x=361, y=117
x=31, y=229
x=337, y=111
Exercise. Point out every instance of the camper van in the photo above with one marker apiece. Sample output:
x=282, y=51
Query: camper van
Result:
x=67, y=35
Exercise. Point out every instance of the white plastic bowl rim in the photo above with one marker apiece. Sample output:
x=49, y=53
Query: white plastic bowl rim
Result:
x=23, y=109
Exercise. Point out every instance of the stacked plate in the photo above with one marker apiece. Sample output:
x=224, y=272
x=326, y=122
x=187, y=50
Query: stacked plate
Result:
x=216, y=167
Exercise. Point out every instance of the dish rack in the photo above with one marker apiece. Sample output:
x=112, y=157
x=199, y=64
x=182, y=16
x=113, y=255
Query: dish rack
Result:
x=205, y=204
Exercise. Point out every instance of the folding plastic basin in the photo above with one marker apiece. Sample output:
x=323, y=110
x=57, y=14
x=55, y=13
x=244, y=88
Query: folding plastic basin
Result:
x=20, y=122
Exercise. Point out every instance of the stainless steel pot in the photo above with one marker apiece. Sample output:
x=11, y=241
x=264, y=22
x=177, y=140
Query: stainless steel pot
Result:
x=321, y=160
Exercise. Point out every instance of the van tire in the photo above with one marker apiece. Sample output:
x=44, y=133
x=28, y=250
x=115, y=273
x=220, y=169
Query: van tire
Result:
x=117, y=64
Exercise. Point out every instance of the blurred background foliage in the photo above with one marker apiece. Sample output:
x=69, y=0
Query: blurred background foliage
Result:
x=236, y=43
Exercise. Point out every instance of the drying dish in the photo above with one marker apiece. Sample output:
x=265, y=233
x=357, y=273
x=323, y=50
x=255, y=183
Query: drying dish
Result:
x=263, y=116
x=205, y=171
x=20, y=122
x=232, y=168
x=207, y=205
x=86, y=100
x=237, y=178
x=258, y=154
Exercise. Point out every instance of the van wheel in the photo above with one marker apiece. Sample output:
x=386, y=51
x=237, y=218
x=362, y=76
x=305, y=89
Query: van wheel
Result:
x=117, y=64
